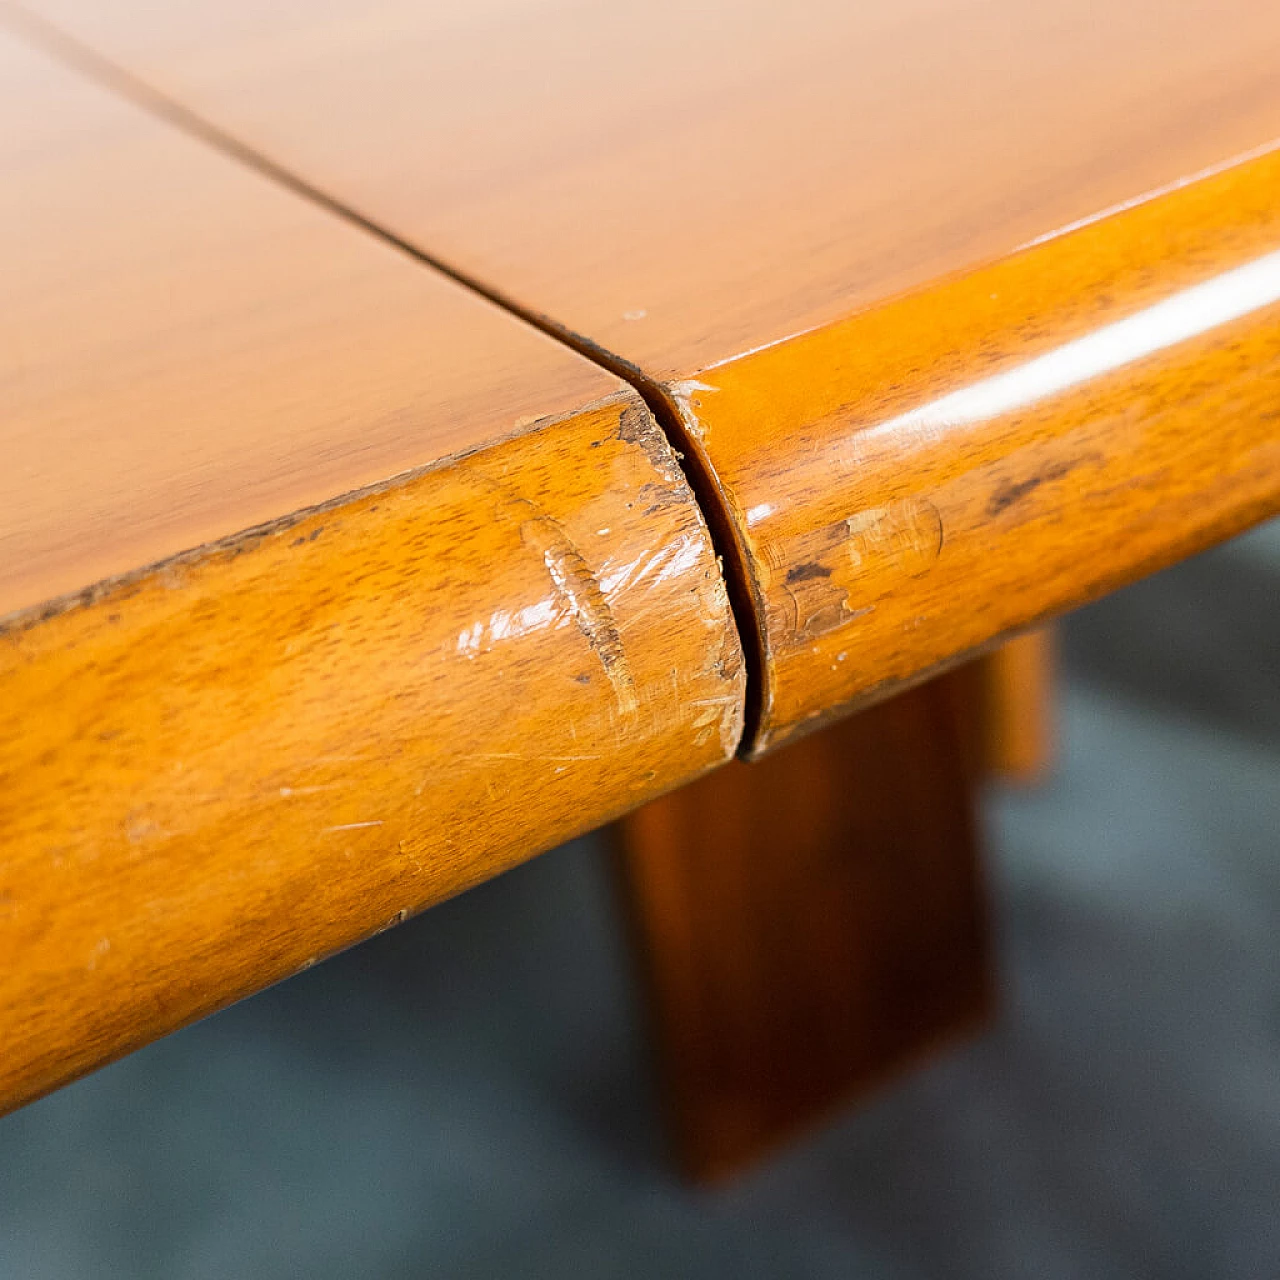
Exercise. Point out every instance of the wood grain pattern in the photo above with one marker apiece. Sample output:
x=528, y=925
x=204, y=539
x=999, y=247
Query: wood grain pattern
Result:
x=934, y=474
x=186, y=350
x=729, y=203
x=810, y=924
x=682, y=183
x=219, y=768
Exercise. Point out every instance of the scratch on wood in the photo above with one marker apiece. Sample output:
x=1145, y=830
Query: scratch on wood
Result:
x=723, y=713
x=582, y=597
x=908, y=534
x=577, y=591
x=525, y=755
x=824, y=572
x=100, y=949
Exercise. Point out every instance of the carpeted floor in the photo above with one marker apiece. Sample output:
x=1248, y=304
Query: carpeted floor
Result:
x=469, y=1095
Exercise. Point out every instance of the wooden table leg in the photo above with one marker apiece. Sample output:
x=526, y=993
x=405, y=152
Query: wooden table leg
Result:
x=1017, y=720
x=812, y=923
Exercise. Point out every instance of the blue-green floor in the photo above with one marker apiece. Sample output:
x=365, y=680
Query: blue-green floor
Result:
x=469, y=1095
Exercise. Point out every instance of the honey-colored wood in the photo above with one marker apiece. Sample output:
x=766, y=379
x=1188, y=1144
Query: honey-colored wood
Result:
x=730, y=203
x=217, y=769
x=1017, y=715
x=726, y=205
x=809, y=924
x=988, y=452
x=681, y=183
x=220, y=771
x=186, y=350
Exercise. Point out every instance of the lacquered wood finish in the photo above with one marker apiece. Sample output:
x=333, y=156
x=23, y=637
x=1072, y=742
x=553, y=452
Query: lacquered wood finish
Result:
x=187, y=350
x=681, y=183
x=220, y=768
x=221, y=771
x=936, y=473
x=725, y=208
x=810, y=924
x=729, y=203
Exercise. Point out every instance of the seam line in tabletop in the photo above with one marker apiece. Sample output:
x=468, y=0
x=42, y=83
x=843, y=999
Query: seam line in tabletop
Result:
x=660, y=400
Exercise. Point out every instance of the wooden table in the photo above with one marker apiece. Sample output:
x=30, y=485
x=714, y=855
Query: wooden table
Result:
x=347, y=558
x=331, y=588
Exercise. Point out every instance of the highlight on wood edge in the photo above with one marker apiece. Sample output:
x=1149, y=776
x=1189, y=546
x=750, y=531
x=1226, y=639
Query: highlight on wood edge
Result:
x=242, y=760
x=985, y=453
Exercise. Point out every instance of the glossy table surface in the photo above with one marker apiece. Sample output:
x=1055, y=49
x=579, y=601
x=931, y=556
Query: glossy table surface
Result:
x=346, y=350
x=680, y=184
x=190, y=351
x=707, y=200
x=330, y=588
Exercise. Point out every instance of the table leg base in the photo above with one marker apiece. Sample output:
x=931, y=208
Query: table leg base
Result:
x=811, y=924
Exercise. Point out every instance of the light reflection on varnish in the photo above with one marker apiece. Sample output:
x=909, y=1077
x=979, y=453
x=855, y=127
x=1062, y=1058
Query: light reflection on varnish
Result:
x=1178, y=318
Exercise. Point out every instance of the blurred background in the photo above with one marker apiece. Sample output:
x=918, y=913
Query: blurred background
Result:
x=472, y=1093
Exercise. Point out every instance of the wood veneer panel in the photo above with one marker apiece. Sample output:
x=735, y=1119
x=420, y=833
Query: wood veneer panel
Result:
x=219, y=768
x=733, y=201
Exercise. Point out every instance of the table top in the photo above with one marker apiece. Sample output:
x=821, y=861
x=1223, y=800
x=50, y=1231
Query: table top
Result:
x=189, y=350
x=680, y=184
x=347, y=554
x=710, y=201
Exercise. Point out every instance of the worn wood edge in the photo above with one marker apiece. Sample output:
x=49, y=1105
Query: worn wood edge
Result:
x=194, y=753
x=816, y=395
x=662, y=401
x=733, y=544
